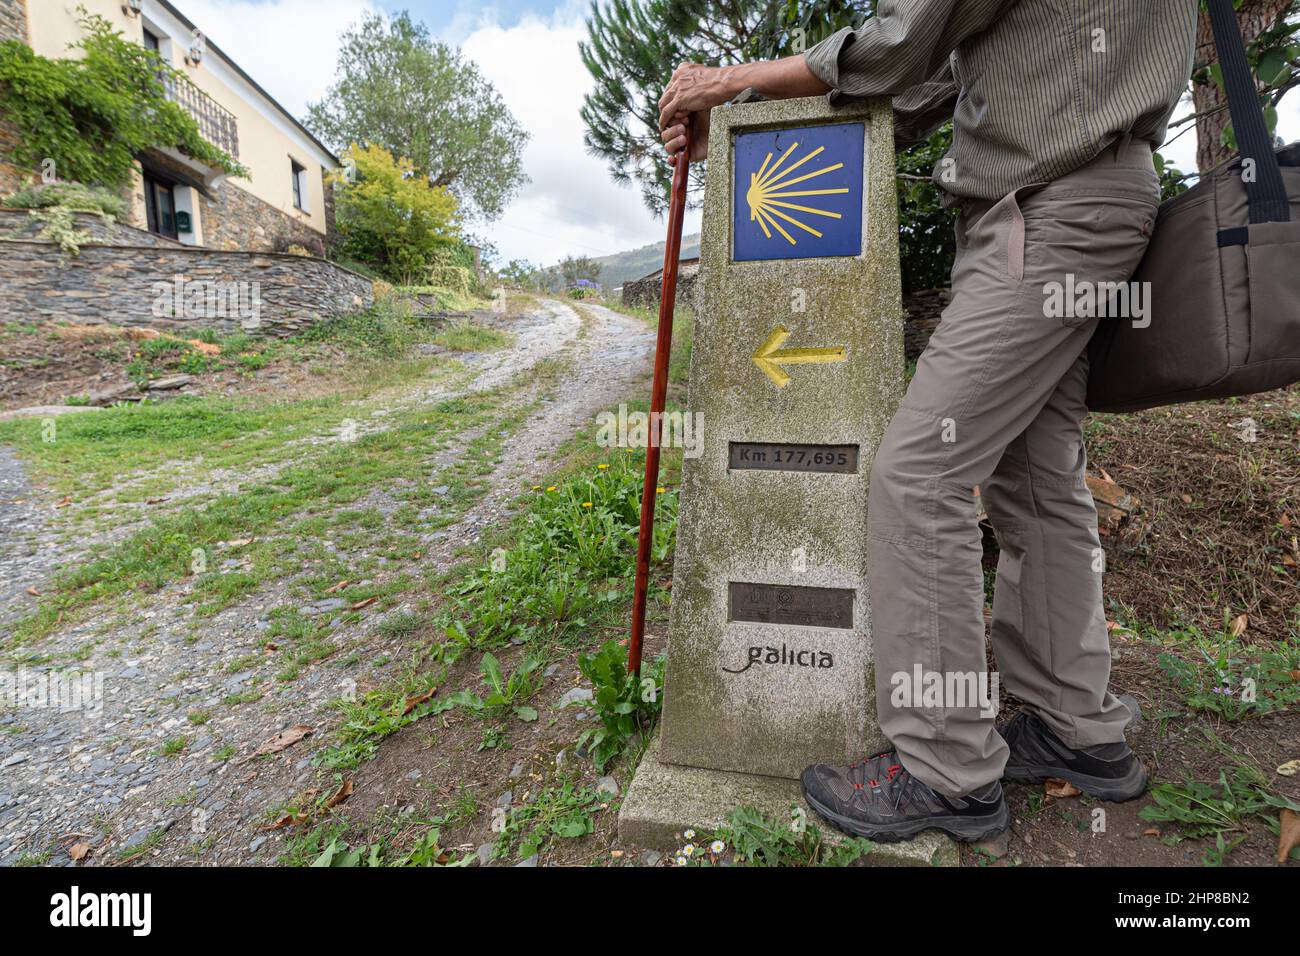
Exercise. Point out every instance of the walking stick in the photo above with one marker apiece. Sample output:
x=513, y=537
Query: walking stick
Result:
x=658, y=392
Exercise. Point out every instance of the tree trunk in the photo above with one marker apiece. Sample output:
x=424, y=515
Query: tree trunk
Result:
x=1253, y=18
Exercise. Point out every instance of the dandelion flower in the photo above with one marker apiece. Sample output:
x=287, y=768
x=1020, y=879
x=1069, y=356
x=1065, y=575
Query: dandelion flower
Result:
x=586, y=504
x=659, y=491
x=537, y=487
x=551, y=488
x=602, y=467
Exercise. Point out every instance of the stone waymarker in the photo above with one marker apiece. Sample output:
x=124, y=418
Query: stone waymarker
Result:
x=796, y=369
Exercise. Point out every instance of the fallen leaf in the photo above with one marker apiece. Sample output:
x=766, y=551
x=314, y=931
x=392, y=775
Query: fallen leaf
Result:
x=64, y=502
x=154, y=501
x=282, y=740
x=338, y=587
x=365, y=603
x=1060, y=788
x=239, y=542
x=1288, y=561
x=341, y=794
x=1151, y=831
x=289, y=819
x=33, y=592
x=1187, y=499
x=1286, y=520
x=1289, y=768
x=79, y=851
x=1289, y=838
x=1239, y=625
x=417, y=700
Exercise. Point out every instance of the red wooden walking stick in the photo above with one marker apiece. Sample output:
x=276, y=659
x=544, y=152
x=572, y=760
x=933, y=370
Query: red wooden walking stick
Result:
x=658, y=393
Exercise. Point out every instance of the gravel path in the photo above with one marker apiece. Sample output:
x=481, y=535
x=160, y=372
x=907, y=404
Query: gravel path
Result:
x=91, y=769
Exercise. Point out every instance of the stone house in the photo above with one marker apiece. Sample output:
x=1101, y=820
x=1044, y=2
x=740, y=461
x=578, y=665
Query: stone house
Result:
x=286, y=202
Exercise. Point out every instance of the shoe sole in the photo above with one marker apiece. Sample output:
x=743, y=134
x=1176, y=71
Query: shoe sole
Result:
x=1117, y=789
x=964, y=829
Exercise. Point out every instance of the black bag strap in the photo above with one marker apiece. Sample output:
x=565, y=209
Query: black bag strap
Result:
x=1267, y=194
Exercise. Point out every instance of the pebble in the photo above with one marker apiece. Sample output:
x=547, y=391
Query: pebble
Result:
x=574, y=695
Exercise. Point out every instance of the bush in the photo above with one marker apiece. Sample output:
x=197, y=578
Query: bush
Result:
x=77, y=197
x=54, y=205
x=93, y=113
x=388, y=215
x=385, y=329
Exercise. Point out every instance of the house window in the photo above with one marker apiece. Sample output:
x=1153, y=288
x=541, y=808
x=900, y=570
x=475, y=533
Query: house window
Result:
x=160, y=206
x=151, y=41
x=299, y=174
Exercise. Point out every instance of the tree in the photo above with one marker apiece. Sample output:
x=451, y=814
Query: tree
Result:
x=398, y=88
x=389, y=217
x=575, y=269
x=1270, y=30
x=92, y=114
x=522, y=274
x=633, y=46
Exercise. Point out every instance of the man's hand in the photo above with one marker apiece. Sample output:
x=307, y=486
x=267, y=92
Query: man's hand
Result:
x=691, y=93
x=696, y=89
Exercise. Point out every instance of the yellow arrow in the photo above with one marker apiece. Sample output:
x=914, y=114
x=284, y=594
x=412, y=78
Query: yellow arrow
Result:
x=770, y=356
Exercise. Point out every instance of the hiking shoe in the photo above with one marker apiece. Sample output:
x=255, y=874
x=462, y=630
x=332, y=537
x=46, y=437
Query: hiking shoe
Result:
x=881, y=801
x=1107, y=771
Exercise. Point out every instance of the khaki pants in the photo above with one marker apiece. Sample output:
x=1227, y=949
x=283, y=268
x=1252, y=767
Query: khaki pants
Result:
x=998, y=401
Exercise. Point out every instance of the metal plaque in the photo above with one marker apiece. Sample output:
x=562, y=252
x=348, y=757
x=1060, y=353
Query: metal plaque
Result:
x=780, y=456
x=790, y=604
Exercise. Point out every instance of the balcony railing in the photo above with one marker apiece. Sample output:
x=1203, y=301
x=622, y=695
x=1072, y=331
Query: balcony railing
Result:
x=216, y=123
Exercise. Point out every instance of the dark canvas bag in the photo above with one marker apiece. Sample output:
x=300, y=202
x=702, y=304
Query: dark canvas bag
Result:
x=1224, y=273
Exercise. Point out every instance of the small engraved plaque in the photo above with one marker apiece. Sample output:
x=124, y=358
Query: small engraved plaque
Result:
x=778, y=456
x=790, y=604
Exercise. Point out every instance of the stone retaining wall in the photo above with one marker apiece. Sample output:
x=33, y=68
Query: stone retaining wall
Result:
x=924, y=310
x=645, y=292
x=162, y=284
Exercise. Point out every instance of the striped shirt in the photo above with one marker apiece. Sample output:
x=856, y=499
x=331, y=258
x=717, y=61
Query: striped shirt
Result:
x=1035, y=88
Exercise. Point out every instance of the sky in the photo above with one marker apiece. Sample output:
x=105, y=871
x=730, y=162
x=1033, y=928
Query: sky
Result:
x=529, y=50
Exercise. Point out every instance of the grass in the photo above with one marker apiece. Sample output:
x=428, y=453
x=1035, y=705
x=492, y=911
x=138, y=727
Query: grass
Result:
x=1218, y=810
x=188, y=541
x=467, y=337
x=754, y=838
x=561, y=811
x=562, y=570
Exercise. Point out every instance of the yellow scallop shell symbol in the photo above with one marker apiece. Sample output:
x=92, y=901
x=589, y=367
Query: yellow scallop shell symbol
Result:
x=770, y=187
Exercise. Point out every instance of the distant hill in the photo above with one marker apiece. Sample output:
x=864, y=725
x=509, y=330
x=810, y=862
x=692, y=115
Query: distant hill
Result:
x=635, y=263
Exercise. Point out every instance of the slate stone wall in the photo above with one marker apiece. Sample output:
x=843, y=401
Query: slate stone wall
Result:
x=129, y=277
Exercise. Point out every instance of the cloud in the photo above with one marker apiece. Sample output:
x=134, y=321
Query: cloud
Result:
x=572, y=206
